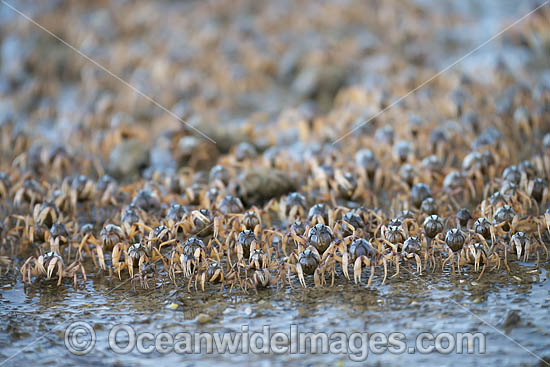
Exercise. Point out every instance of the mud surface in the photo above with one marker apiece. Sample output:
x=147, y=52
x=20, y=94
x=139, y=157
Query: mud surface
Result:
x=512, y=310
x=433, y=303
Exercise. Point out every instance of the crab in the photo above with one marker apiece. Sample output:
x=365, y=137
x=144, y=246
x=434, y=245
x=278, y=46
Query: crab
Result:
x=363, y=253
x=193, y=194
x=46, y=213
x=135, y=256
x=521, y=244
x=539, y=191
x=319, y=214
x=193, y=252
x=5, y=185
x=175, y=214
x=246, y=241
x=230, y=205
x=458, y=185
x=62, y=200
x=212, y=272
x=260, y=279
x=219, y=176
x=80, y=189
x=7, y=264
x=258, y=259
x=429, y=206
x=480, y=254
x=159, y=237
x=369, y=170
x=433, y=225
x=463, y=218
x=411, y=249
x=349, y=224
x=454, y=242
x=419, y=193
x=110, y=237
x=58, y=159
x=57, y=236
x=333, y=256
x=147, y=271
x=107, y=188
x=293, y=239
x=484, y=228
x=300, y=263
x=373, y=220
x=293, y=207
x=403, y=151
x=89, y=238
x=211, y=197
x=250, y=220
x=32, y=232
x=394, y=233
x=131, y=216
x=344, y=185
x=29, y=191
x=320, y=236
x=51, y=264
x=197, y=223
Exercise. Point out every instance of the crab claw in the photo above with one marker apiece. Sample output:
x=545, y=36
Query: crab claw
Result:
x=83, y=272
x=318, y=278
x=345, y=263
x=186, y=264
x=217, y=225
x=51, y=267
x=101, y=257
x=477, y=260
x=357, y=269
x=300, y=275
x=519, y=249
x=203, y=280
x=117, y=252
x=40, y=265
x=197, y=253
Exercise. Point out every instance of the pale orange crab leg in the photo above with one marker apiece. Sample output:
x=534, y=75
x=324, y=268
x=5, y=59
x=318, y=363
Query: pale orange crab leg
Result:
x=169, y=242
x=371, y=276
x=396, y=267
x=159, y=256
x=385, y=270
x=203, y=280
x=130, y=264
x=144, y=226
x=482, y=272
x=450, y=258
x=318, y=278
x=418, y=264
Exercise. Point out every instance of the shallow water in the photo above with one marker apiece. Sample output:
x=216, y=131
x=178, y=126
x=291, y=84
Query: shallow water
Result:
x=37, y=317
